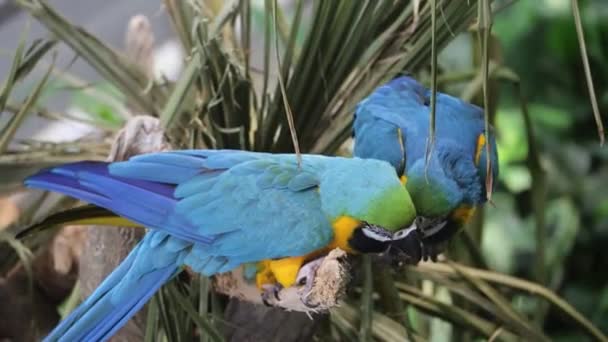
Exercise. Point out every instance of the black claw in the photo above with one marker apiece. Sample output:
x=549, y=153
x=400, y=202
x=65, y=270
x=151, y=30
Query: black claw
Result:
x=302, y=281
x=271, y=290
x=266, y=303
x=311, y=306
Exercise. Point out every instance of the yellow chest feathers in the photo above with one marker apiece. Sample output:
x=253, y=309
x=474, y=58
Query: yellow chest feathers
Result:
x=344, y=228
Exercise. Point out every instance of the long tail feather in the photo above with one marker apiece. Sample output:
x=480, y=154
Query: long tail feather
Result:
x=83, y=215
x=120, y=295
x=148, y=203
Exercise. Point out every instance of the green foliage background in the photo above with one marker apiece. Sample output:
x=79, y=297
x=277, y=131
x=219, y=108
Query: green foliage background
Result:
x=540, y=44
x=549, y=218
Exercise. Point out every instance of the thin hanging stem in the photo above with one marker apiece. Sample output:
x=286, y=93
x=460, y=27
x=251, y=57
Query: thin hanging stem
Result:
x=288, y=113
x=431, y=139
x=581, y=42
x=484, y=29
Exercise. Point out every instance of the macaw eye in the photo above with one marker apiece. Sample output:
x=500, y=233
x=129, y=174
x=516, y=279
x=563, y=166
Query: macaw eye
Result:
x=403, y=233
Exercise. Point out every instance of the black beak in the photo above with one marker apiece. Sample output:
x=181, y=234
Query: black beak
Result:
x=425, y=243
x=438, y=232
x=407, y=250
x=370, y=239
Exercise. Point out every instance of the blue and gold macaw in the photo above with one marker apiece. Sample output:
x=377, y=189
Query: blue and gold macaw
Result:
x=215, y=210
x=392, y=124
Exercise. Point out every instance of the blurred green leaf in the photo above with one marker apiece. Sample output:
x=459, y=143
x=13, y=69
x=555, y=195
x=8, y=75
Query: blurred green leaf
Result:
x=551, y=119
x=519, y=19
x=11, y=79
x=8, y=131
x=112, y=66
x=506, y=236
x=516, y=178
x=510, y=138
x=563, y=222
x=97, y=109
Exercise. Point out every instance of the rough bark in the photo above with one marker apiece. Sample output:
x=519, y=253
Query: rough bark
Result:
x=253, y=322
x=247, y=321
x=29, y=305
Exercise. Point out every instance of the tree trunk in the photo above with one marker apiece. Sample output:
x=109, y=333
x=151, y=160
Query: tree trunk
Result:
x=251, y=322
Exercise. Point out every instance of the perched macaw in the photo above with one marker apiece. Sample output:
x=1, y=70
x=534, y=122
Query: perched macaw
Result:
x=215, y=210
x=392, y=124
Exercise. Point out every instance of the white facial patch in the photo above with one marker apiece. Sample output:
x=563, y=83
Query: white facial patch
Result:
x=374, y=235
x=403, y=233
x=434, y=229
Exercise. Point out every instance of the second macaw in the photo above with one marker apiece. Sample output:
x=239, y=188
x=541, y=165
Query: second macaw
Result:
x=215, y=210
x=392, y=124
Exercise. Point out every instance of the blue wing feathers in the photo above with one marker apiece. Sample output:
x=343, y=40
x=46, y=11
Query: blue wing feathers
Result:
x=406, y=103
x=172, y=158
x=303, y=181
x=69, y=187
x=153, y=172
x=116, y=189
x=148, y=203
x=119, y=313
x=197, y=184
x=224, y=194
x=114, y=278
x=380, y=139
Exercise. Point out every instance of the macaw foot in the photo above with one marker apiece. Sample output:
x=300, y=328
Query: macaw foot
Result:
x=305, y=281
x=270, y=293
x=432, y=251
x=306, y=278
x=323, y=281
x=415, y=251
x=318, y=285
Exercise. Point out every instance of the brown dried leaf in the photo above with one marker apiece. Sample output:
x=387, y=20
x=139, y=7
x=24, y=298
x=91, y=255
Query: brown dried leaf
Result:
x=9, y=212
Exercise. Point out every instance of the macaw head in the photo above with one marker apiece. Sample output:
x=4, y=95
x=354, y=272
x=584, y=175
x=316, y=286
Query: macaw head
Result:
x=392, y=124
x=446, y=191
x=368, y=206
